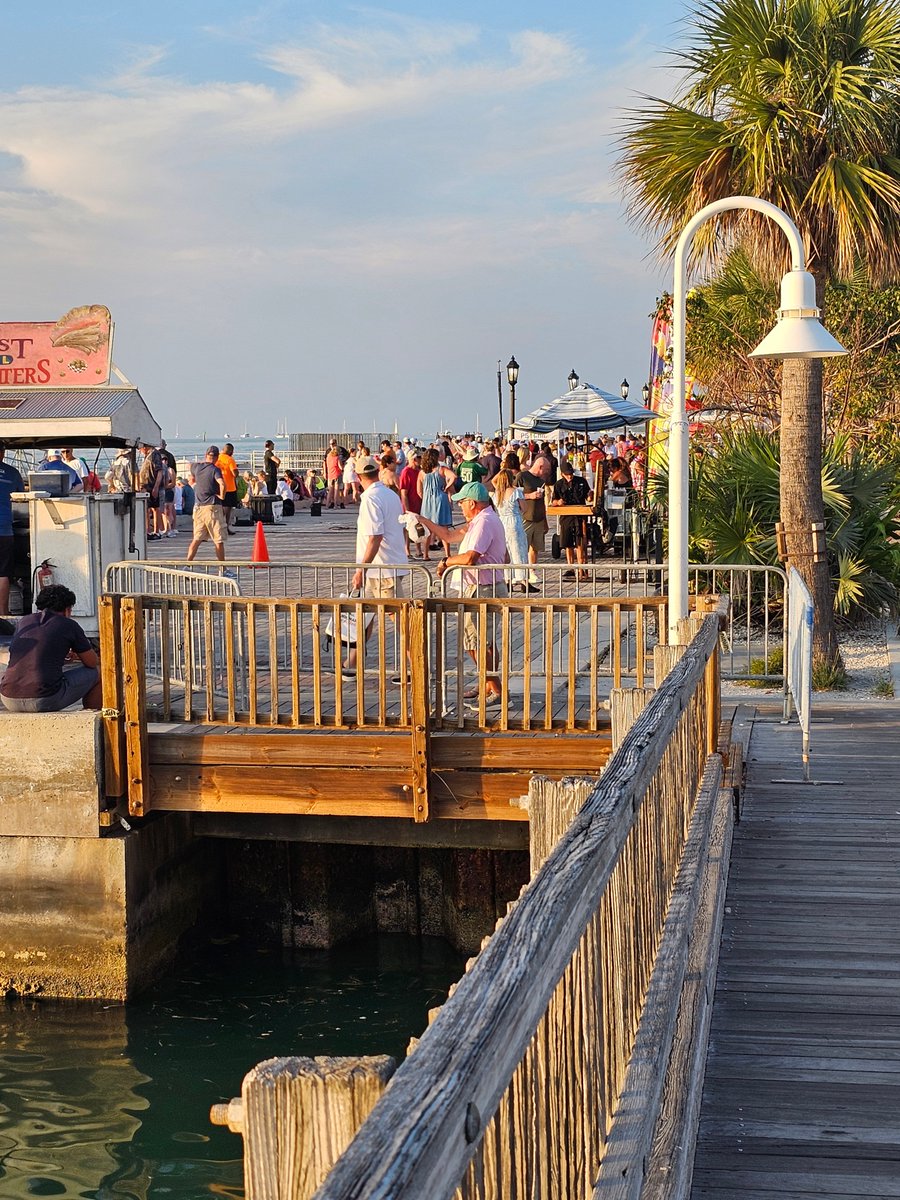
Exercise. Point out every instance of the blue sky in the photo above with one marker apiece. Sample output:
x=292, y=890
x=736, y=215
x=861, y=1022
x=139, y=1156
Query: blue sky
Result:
x=333, y=214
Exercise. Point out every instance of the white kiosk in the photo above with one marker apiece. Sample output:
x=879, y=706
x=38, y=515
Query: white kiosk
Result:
x=78, y=535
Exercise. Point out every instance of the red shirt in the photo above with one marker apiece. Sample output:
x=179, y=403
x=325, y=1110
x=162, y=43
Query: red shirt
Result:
x=409, y=478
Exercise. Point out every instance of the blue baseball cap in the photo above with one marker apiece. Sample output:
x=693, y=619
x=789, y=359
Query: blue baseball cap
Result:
x=473, y=491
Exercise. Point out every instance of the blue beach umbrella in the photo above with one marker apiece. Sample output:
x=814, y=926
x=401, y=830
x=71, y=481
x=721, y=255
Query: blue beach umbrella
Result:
x=585, y=409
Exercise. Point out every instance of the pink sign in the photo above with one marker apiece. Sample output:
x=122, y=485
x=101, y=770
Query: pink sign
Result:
x=75, y=352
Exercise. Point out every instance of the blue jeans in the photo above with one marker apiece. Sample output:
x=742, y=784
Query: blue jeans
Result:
x=77, y=682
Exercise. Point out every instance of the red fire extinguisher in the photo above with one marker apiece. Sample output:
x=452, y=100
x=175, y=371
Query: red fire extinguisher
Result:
x=43, y=576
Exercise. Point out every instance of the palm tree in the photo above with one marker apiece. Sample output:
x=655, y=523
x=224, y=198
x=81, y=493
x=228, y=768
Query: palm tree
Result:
x=796, y=101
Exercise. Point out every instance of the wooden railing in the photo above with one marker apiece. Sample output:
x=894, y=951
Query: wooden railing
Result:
x=269, y=661
x=516, y=1088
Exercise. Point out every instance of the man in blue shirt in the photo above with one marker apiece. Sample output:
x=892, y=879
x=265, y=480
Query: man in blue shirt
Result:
x=54, y=462
x=10, y=481
x=209, y=495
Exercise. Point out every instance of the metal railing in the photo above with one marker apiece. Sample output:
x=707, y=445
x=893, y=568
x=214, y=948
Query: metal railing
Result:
x=287, y=578
x=754, y=629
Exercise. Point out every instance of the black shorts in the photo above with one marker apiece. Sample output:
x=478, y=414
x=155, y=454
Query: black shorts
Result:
x=170, y=495
x=7, y=556
x=230, y=500
x=152, y=501
x=571, y=531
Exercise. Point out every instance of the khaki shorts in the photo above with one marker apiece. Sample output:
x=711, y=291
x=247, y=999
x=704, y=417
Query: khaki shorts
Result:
x=384, y=587
x=209, y=522
x=470, y=626
x=535, y=532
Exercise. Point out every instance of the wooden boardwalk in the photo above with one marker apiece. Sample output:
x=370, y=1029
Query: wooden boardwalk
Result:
x=802, y=1091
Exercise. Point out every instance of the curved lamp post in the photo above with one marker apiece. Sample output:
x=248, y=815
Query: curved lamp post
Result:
x=798, y=334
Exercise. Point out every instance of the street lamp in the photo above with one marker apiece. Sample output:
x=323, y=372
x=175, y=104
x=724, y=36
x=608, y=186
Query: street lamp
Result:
x=798, y=334
x=623, y=389
x=572, y=380
x=645, y=394
x=512, y=374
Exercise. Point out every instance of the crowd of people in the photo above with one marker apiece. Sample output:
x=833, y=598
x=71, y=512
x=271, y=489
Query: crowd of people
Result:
x=405, y=494
x=503, y=490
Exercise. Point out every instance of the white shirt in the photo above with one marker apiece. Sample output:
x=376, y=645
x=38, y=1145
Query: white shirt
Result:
x=379, y=515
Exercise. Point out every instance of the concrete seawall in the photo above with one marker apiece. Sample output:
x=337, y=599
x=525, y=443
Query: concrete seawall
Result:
x=91, y=910
x=85, y=911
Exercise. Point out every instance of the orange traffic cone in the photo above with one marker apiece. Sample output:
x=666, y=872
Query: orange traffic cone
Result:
x=260, y=549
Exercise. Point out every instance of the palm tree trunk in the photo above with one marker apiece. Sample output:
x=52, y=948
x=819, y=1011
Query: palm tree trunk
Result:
x=801, y=494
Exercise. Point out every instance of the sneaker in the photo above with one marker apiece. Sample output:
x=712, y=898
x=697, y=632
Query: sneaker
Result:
x=347, y=673
x=153, y=537
x=227, y=573
x=471, y=693
x=568, y=574
x=491, y=700
x=396, y=680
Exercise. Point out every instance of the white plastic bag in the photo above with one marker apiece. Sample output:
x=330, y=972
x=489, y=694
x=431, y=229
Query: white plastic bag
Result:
x=348, y=624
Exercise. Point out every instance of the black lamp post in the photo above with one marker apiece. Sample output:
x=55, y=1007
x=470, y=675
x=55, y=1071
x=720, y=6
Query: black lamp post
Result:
x=645, y=394
x=573, y=381
x=512, y=374
x=623, y=389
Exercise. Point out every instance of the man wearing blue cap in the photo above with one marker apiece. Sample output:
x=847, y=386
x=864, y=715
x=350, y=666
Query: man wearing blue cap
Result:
x=482, y=544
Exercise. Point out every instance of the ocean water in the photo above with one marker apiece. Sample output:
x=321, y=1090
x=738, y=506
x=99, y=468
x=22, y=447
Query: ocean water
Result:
x=102, y=1101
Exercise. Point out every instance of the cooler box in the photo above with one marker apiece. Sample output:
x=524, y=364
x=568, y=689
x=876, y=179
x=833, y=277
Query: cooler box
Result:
x=54, y=483
x=267, y=509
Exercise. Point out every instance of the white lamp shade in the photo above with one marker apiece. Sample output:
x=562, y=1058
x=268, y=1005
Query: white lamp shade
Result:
x=799, y=332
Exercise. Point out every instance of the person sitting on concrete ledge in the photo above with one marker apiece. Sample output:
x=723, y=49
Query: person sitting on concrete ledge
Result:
x=35, y=681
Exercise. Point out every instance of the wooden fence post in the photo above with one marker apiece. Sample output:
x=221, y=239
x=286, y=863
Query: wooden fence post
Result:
x=136, y=752
x=297, y=1116
x=552, y=807
x=417, y=630
x=625, y=706
x=115, y=781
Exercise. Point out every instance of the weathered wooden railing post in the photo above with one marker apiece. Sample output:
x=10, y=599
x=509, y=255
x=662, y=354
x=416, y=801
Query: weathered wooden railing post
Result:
x=298, y=1116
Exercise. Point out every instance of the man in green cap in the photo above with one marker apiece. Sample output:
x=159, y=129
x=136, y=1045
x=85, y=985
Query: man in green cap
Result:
x=482, y=544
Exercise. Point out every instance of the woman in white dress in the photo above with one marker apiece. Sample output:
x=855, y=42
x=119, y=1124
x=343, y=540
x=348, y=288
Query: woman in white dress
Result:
x=351, y=480
x=507, y=498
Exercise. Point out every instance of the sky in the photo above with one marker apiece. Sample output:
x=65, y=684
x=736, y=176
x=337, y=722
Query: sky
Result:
x=334, y=215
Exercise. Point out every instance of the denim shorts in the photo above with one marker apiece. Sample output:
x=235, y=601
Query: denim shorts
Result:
x=77, y=682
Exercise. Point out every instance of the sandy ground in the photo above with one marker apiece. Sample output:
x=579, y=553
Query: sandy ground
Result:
x=872, y=659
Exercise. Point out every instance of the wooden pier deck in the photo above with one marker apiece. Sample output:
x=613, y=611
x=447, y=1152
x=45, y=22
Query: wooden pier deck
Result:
x=802, y=1091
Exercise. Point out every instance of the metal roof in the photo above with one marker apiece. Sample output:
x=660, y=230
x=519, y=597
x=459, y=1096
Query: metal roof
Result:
x=99, y=416
x=41, y=404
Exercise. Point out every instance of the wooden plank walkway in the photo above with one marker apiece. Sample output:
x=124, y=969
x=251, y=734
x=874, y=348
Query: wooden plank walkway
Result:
x=802, y=1091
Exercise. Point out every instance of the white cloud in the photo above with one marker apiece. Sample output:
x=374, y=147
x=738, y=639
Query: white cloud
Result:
x=402, y=160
